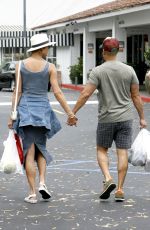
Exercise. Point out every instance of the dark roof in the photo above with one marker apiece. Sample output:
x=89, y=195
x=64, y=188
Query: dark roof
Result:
x=101, y=9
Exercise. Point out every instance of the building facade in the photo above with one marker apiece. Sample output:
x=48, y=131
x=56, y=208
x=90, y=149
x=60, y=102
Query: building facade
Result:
x=14, y=42
x=127, y=20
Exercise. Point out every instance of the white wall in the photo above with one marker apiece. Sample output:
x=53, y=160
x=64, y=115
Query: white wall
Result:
x=75, y=50
x=67, y=56
x=100, y=25
x=64, y=60
x=135, y=19
x=121, y=35
x=116, y=26
x=88, y=57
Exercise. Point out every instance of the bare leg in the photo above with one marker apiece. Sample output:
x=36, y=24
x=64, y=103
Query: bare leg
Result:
x=103, y=161
x=122, y=167
x=41, y=163
x=30, y=168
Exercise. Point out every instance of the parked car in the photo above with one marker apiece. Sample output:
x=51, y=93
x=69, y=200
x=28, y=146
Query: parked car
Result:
x=7, y=75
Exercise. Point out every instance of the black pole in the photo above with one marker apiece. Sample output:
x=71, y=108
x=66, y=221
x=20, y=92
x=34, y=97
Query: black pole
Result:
x=24, y=23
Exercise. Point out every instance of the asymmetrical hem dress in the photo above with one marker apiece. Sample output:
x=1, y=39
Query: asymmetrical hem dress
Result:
x=36, y=121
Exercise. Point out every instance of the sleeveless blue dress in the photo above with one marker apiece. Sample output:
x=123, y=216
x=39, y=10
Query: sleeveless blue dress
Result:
x=36, y=120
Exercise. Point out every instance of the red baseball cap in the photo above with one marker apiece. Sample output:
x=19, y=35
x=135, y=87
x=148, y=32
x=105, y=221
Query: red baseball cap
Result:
x=110, y=45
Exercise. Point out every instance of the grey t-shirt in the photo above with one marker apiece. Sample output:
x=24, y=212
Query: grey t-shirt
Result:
x=113, y=80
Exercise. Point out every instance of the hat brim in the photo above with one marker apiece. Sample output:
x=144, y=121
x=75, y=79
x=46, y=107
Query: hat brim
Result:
x=42, y=46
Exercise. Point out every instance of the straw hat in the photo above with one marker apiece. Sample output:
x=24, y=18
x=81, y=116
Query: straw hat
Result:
x=39, y=41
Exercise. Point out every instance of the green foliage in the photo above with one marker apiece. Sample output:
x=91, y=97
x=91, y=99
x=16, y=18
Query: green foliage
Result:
x=147, y=56
x=147, y=76
x=147, y=82
x=76, y=72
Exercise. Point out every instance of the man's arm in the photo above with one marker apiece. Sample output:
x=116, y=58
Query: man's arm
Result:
x=135, y=95
x=84, y=95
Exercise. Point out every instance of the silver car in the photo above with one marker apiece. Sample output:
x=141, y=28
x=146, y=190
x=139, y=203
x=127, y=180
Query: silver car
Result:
x=7, y=75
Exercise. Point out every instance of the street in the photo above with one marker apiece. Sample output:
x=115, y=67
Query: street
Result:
x=74, y=179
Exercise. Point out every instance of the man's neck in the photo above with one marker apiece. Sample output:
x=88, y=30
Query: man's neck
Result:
x=110, y=58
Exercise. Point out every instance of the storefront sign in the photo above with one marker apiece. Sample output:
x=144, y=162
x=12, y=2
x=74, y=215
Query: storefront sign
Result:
x=121, y=46
x=90, y=47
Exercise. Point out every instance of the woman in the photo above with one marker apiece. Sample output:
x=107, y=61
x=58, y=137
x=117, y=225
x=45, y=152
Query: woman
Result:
x=36, y=121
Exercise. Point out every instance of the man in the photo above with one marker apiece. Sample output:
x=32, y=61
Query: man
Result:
x=118, y=87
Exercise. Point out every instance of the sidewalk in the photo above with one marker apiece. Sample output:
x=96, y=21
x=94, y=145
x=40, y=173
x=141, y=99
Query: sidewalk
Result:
x=144, y=95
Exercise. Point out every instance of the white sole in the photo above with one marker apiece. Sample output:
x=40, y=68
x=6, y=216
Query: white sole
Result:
x=119, y=199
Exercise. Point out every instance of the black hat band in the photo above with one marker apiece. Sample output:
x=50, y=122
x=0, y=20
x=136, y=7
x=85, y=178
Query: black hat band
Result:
x=40, y=44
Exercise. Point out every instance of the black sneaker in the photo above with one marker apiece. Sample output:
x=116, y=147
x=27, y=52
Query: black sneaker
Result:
x=109, y=186
x=44, y=191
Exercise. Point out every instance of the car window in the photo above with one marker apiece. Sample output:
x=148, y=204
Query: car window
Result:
x=9, y=66
x=6, y=67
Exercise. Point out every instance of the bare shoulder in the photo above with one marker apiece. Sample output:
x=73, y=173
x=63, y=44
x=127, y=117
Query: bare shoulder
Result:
x=26, y=59
x=52, y=68
x=17, y=65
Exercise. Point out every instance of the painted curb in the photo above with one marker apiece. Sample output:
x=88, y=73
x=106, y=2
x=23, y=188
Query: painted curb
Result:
x=73, y=87
x=145, y=99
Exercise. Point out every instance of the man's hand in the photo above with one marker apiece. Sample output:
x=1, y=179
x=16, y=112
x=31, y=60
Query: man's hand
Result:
x=72, y=120
x=143, y=123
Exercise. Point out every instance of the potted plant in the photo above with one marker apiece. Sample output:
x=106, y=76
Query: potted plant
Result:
x=76, y=72
x=147, y=76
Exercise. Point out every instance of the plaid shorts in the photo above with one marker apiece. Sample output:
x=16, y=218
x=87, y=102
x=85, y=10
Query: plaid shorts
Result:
x=119, y=132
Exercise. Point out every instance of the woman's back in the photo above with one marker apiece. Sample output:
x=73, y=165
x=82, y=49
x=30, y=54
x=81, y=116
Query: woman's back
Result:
x=35, y=76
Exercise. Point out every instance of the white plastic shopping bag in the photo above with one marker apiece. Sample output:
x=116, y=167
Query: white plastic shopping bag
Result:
x=147, y=146
x=140, y=149
x=10, y=161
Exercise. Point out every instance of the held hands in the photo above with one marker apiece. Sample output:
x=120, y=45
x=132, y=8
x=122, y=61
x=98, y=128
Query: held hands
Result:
x=72, y=120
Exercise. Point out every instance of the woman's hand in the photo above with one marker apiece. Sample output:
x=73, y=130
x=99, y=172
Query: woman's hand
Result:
x=72, y=120
x=10, y=123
